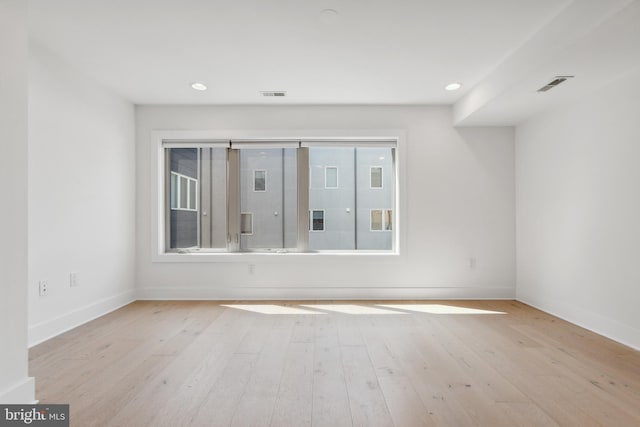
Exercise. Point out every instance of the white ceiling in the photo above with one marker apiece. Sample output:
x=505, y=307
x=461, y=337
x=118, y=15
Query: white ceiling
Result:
x=374, y=52
x=598, y=41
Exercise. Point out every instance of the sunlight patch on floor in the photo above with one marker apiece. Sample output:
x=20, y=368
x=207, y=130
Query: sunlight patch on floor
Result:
x=356, y=309
x=271, y=309
x=351, y=309
x=439, y=309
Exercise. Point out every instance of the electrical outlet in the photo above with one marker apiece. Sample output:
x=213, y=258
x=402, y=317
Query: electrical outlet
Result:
x=252, y=269
x=472, y=263
x=43, y=288
x=73, y=279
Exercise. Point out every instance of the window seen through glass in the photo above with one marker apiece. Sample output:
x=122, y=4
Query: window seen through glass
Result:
x=376, y=220
x=317, y=220
x=260, y=180
x=331, y=177
x=246, y=223
x=376, y=177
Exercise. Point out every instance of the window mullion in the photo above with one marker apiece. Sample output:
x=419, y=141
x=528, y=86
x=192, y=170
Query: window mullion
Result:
x=188, y=188
x=203, y=198
x=167, y=198
x=233, y=200
x=303, y=199
x=394, y=201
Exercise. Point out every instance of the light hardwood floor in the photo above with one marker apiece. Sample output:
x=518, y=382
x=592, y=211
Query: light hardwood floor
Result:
x=409, y=363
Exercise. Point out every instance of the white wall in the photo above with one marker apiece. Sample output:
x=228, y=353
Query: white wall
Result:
x=15, y=385
x=578, y=211
x=459, y=195
x=81, y=197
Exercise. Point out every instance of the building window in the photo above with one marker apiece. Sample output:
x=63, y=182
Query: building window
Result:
x=259, y=180
x=246, y=223
x=381, y=220
x=317, y=220
x=387, y=219
x=331, y=177
x=376, y=177
x=183, y=192
x=376, y=220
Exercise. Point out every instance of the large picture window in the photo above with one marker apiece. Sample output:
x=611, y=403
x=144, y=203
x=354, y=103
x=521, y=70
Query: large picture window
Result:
x=252, y=196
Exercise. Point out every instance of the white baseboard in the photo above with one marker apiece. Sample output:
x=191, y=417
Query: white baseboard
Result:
x=21, y=393
x=50, y=328
x=323, y=293
x=594, y=322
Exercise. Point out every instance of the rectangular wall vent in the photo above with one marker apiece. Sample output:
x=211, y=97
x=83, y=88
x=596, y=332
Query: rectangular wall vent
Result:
x=555, y=82
x=274, y=93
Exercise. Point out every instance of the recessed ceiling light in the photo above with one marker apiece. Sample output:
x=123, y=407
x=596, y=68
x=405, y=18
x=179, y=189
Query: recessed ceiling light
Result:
x=199, y=86
x=453, y=86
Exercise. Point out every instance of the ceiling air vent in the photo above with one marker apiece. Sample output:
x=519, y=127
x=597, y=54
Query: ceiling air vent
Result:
x=274, y=93
x=555, y=82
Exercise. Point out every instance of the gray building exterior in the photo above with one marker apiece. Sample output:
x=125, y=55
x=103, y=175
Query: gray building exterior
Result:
x=347, y=208
x=273, y=206
x=351, y=198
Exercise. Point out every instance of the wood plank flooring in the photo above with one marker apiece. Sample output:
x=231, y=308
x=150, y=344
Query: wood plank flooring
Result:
x=355, y=363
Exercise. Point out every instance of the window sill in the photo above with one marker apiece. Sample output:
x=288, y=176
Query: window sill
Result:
x=279, y=257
